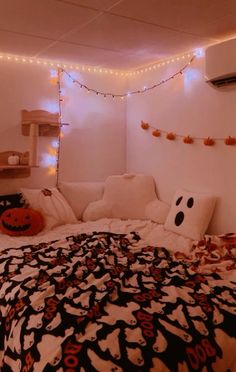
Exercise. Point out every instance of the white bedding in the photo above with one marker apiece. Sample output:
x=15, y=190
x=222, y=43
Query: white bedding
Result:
x=151, y=233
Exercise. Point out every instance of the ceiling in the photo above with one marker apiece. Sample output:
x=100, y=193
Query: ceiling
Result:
x=121, y=34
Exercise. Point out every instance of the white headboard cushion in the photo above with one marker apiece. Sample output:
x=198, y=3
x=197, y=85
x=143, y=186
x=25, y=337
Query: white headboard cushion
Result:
x=80, y=194
x=157, y=211
x=125, y=196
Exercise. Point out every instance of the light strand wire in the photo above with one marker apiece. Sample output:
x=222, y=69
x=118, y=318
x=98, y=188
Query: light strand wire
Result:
x=123, y=95
x=59, y=72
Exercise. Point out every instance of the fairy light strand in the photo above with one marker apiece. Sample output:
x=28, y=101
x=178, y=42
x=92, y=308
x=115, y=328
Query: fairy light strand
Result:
x=93, y=69
x=124, y=95
x=59, y=72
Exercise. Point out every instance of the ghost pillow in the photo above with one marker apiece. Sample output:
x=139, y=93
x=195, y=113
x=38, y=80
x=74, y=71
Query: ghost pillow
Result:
x=190, y=214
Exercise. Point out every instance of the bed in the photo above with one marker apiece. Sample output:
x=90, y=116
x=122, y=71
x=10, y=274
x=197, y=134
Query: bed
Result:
x=117, y=295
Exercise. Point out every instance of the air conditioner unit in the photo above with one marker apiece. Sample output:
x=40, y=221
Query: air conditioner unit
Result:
x=220, y=64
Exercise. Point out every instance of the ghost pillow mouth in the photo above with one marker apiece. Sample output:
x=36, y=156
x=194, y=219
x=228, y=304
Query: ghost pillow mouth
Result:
x=16, y=228
x=179, y=218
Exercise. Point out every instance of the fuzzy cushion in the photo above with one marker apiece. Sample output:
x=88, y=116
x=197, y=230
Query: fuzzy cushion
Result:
x=124, y=197
x=21, y=221
x=157, y=211
x=190, y=214
x=80, y=194
x=52, y=204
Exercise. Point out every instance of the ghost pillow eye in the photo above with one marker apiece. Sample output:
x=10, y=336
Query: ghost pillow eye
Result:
x=178, y=201
x=190, y=202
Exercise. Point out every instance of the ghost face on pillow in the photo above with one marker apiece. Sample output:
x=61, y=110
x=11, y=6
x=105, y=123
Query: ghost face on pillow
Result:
x=180, y=216
x=190, y=214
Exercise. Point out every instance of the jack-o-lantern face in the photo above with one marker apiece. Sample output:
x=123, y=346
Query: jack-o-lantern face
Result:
x=21, y=221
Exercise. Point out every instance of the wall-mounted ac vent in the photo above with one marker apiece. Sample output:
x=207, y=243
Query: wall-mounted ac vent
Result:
x=224, y=81
x=220, y=67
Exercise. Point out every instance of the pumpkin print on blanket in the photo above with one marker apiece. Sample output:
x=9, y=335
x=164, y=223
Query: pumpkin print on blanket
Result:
x=21, y=221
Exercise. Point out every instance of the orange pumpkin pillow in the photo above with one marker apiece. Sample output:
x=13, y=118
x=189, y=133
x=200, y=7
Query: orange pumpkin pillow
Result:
x=21, y=221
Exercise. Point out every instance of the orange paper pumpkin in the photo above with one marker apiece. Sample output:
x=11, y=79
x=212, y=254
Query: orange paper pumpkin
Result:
x=144, y=125
x=170, y=136
x=209, y=141
x=156, y=133
x=21, y=221
x=188, y=139
x=230, y=141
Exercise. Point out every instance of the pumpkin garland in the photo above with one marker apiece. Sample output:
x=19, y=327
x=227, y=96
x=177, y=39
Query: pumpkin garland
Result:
x=208, y=141
x=188, y=140
x=156, y=133
x=170, y=136
x=144, y=125
x=229, y=141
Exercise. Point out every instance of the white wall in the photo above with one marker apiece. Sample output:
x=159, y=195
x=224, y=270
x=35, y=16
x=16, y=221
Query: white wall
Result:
x=185, y=105
x=94, y=144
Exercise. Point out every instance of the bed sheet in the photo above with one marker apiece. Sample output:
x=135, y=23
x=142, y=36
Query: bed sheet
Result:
x=150, y=232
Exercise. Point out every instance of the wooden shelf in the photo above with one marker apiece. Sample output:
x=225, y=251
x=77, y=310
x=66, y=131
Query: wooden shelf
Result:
x=2, y=167
x=48, y=123
x=33, y=123
x=14, y=171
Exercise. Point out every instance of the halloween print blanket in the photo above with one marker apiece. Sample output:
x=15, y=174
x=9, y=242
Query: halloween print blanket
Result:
x=93, y=302
x=215, y=253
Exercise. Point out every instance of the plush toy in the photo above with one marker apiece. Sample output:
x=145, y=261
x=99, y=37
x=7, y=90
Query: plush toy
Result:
x=21, y=221
x=13, y=159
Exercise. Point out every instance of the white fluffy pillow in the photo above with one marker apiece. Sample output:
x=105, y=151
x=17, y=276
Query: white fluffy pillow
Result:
x=52, y=204
x=157, y=211
x=124, y=197
x=80, y=194
x=190, y=214
x=97, y=210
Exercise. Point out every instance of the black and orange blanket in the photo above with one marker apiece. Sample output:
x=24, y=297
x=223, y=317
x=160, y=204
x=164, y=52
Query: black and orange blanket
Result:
x=94, y=302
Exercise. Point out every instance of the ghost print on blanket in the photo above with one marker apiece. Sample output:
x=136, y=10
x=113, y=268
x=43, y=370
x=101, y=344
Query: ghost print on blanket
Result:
x=86, y=303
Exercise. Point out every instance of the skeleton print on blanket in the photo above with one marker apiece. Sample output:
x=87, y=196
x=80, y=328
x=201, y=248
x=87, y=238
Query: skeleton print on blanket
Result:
x=93, y=302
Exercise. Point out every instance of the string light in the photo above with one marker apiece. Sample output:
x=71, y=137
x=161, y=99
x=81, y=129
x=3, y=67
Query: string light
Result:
x=52, y=158
x=165, y=62
x=53, y=77
x=187, y=139
x=128, y=94
x=92, y=69
x=55, y=150
x=58, y=148
x=51, y=170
